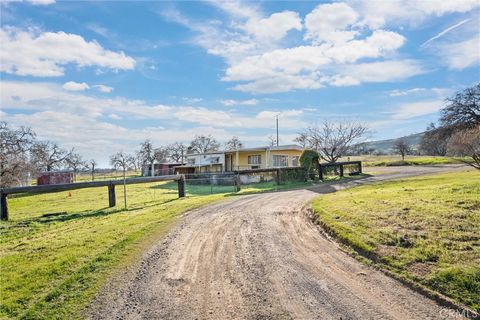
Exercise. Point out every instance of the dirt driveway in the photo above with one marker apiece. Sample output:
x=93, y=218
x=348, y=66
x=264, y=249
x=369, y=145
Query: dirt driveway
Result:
x=259, y=257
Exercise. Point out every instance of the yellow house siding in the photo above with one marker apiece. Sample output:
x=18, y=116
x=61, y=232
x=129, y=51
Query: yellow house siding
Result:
x=243, y=159
x=241, y=162
x=289, y=153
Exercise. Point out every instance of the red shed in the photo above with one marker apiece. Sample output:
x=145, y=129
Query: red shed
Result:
x=55, y=177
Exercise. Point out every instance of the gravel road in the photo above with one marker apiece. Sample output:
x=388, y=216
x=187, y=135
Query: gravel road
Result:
x=259, y=257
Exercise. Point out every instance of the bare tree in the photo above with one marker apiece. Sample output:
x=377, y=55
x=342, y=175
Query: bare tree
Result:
x=463, y=109
x=234, y=144
x=202, y=144
x=47, y=155
x=161, y=154
x=402, y=147
x=302, y=140
x=147, y=155
x=272, y=141
x=75, y=161
x=177, y=152
x=91, y=165
x=333, y=139
x=434, y=140
x=466, y=143
x=14, y=147
x=121, y=160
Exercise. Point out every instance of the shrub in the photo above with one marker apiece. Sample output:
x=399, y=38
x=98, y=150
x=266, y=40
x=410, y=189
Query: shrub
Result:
x=309, y=160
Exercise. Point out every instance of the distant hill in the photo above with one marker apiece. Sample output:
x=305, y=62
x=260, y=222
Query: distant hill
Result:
x=385, y=146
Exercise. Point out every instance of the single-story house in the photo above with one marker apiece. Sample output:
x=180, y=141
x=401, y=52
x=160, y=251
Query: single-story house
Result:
x=242, y=159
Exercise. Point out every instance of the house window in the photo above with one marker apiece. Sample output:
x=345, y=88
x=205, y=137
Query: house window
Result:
x=191, y=161
x=255, y=159
x=280, y=161
x=295, y=161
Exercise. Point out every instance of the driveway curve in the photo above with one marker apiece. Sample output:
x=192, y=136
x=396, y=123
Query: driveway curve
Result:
x=259, y=257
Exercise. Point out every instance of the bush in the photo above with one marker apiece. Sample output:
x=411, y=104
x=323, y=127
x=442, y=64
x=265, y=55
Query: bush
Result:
x=309, y=160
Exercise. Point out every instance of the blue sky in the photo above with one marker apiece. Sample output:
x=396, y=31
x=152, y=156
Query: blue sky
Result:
x=103, y=76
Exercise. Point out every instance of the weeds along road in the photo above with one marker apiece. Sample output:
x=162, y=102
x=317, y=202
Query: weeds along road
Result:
x=259, y=257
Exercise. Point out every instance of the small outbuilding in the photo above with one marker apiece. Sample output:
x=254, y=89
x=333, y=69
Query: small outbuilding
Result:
x=58, y=177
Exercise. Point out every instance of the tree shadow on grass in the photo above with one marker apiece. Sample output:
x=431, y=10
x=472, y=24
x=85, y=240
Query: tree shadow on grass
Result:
x=196, y=189
x=65, y=216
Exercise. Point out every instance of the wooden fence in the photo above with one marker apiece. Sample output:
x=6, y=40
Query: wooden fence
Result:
x=280, y=173
x=340, y=166
x=93, y=184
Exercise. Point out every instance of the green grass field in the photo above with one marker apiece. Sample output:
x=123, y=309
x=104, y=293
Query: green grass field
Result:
x=58, y=248
x=394, y=160
x=426, y=229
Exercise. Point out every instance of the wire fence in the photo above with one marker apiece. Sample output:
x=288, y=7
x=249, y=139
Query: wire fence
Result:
x=169, y=188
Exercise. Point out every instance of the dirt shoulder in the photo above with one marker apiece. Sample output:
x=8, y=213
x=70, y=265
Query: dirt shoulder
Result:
x=259, y=257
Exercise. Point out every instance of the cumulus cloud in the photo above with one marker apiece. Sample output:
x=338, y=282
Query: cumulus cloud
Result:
x=274, y=27
x=42, y=97
x=330, y=22
x=411, y=12
x=350, y=35
x=75, y=86
x=45, y=54
x=103, y=88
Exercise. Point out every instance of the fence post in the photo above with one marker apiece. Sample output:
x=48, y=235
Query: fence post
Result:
x=181, y=186
x=237, y=183
x=360, y=167
x=3, y=206
x=112, y=199
x=341, y=170
x=277, y=177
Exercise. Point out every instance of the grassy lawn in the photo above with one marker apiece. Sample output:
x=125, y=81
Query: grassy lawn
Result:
x=58, y=248
x=394, y=160
x=426, y=229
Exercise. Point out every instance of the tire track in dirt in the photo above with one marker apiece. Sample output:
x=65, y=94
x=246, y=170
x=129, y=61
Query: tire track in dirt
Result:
x=259, y=257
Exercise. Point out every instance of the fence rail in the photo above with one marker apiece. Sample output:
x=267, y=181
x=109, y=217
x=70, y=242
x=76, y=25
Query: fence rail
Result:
x=340, y=166
x=4, y=192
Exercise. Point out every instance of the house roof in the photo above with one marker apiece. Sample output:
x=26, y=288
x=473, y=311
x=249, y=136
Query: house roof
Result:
x=284, y=147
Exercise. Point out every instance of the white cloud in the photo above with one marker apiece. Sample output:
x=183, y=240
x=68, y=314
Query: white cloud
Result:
x=41, y=2
x=42, y=97
x=328, y=22
x=75, y=86
x=461, y=55
x=192, y=100
x=441, y=92
x=232, y=102
x=103, y=88
x=417, y=109
x=61, y=115
x=274, y=27
x=382, y=71
x=44, y=54
x=114, y=116
x=335, y=40
x=412, y=12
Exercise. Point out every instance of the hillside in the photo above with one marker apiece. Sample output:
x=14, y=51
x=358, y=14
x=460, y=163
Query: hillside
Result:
x=385, y=146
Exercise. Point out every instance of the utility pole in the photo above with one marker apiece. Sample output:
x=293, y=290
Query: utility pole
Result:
x=276, y=117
